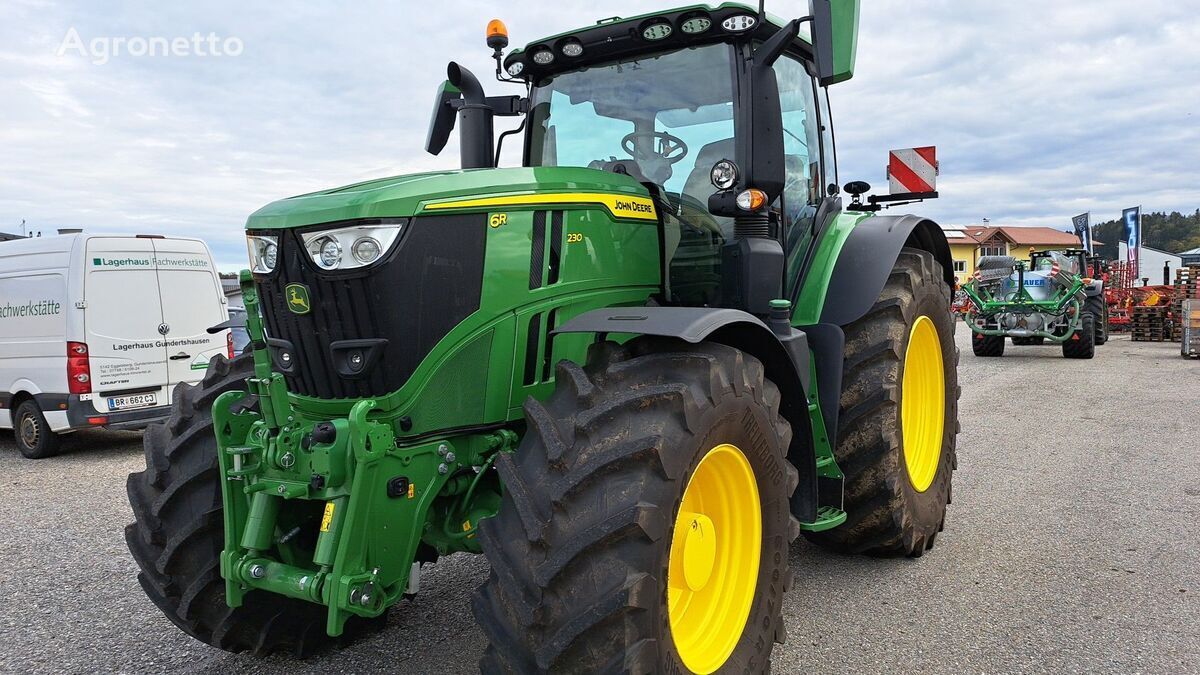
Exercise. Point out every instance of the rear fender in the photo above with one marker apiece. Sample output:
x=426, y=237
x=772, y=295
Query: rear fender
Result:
x=785, y=360
x=863, y=260
x=866, y=259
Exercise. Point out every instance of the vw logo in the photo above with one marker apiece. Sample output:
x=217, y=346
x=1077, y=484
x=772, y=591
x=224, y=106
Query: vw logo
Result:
x=163, y=329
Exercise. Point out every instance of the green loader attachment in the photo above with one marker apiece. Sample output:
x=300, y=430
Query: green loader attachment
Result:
x=630, y=372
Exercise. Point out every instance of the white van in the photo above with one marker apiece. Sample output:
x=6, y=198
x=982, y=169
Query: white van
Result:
x=95, y=331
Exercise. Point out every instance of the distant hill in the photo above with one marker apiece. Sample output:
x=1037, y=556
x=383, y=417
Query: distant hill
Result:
x=1171, y=232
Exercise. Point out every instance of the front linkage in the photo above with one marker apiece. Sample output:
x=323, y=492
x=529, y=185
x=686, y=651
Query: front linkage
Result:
x=380, y=500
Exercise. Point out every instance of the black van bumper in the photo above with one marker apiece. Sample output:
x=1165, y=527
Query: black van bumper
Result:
x=83, y=415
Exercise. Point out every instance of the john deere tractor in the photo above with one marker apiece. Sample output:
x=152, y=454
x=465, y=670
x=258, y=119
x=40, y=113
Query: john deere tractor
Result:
x=1053, y=298
x=630, y=372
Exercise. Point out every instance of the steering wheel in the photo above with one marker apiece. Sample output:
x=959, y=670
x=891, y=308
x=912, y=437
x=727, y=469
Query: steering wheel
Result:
x=668, y=148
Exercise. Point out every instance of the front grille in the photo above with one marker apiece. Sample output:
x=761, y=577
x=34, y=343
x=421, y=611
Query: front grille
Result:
x=426, y=285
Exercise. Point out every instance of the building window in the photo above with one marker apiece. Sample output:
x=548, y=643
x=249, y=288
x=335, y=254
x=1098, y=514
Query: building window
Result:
x=960, y=265
x=993, y=247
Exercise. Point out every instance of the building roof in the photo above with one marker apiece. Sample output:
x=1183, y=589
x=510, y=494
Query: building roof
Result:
x=956, y=234
x=1024, y=236
x=1193, y=251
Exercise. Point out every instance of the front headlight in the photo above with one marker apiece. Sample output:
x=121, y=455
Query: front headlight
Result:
x=264, y=252
x=351, y=247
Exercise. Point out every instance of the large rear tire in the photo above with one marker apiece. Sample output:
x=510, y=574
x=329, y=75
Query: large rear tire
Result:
x=1098, y=308
x=987, y=345
x=177, y=535
x=653, y=482
x=898, y=416
x=1082, y=345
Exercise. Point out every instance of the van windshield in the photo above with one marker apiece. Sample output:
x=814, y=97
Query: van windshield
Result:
x=665, y=118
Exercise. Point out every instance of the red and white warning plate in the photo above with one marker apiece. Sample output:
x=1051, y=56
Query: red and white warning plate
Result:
x=912, y=170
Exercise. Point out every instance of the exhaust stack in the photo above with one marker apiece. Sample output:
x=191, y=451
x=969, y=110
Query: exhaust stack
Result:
x=475, y=130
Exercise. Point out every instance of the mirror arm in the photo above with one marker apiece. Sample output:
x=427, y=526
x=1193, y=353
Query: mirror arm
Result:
x=770, y=51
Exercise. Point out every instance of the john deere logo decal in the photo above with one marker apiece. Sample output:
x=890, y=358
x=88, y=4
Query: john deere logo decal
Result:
x=297, y=298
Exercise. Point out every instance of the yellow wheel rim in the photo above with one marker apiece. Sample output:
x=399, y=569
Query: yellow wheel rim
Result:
x=713, y=565
x=923, y=403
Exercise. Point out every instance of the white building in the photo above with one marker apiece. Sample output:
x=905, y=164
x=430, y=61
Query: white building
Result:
x=1151, y=262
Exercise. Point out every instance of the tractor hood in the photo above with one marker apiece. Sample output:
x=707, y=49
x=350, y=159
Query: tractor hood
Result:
x=403, y=196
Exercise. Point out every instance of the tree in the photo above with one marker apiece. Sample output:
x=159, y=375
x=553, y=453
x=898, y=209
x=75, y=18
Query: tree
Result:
x=1172, y=232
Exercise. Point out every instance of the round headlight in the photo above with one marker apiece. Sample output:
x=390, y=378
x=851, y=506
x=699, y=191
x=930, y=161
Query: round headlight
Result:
x=656, y=31
x=515, y=68
x=543, y=57
x=739, y=22
x=696, y=25
x=572, y=48
x=330, y=253
x=724, y=174
x=270, y=256
x=366, y=250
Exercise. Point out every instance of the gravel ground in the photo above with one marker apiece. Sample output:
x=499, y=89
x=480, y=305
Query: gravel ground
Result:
x=1074, y=551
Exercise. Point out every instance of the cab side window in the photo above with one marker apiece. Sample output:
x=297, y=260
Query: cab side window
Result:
x=827, y=140
x=801, y=144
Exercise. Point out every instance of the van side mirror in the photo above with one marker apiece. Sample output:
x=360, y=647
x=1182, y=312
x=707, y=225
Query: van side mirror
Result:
x=834, y=39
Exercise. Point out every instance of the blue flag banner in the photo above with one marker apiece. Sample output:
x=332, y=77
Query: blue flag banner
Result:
x=1132, y=218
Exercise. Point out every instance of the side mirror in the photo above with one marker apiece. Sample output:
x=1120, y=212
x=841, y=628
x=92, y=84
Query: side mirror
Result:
x=441, y=123
x=835, y=39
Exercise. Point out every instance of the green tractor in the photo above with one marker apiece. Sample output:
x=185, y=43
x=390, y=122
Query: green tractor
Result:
x=630, y=372
x=1053, y=297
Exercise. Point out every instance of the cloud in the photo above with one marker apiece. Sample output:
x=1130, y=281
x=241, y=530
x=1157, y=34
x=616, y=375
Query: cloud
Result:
x=1039, y=110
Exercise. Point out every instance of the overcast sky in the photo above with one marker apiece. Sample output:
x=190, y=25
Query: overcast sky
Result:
x=1040, y=110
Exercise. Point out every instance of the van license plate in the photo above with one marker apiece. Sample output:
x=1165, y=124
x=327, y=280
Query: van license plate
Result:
x=132, y=401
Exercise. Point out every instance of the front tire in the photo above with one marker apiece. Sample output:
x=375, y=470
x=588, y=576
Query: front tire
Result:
x=34, y=438
x=602, y=548
x=178, y=533
x=898, y=416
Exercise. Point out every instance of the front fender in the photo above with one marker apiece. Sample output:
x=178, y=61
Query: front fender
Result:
x=785, y=358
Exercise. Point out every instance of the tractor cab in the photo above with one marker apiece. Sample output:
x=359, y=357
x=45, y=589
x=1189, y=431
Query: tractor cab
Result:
x=720, y=113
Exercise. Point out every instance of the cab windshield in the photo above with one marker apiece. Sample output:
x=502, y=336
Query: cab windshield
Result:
x=664, y=119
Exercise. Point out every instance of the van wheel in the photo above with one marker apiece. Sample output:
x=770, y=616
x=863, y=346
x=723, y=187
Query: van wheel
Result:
x=34, y=438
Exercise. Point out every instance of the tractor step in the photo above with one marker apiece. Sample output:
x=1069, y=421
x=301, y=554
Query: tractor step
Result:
x=828, y=517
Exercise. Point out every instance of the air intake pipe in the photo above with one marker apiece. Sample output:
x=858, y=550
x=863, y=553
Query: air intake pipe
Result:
x=475, y=130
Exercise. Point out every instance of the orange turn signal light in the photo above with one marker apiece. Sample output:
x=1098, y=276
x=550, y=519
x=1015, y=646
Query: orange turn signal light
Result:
x=751, y=200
